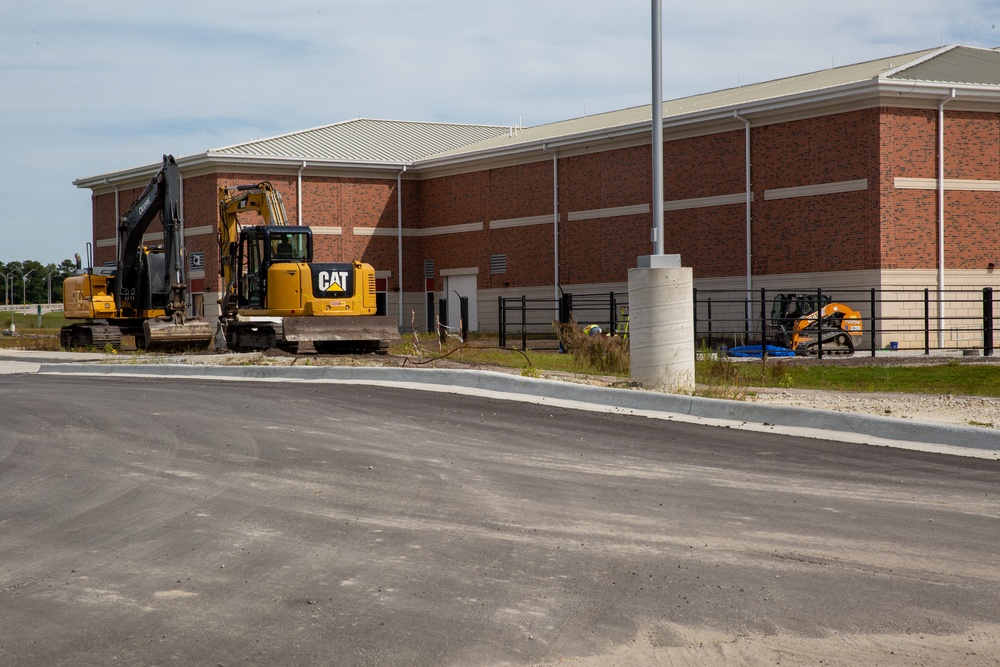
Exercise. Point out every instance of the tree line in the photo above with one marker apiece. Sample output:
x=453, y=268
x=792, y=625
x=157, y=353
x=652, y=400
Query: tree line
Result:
x=33, y=282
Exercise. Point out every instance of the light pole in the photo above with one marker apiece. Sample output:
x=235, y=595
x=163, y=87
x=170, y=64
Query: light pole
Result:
x=8, y=287
x=24, y=287
x=50, y=288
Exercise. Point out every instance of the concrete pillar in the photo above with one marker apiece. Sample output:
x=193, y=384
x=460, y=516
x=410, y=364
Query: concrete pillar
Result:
x=661, y=323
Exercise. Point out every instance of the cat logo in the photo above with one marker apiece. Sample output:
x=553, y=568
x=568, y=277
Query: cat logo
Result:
x=332, y=281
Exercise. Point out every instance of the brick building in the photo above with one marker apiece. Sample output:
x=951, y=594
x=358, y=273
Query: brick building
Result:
x=879, y=174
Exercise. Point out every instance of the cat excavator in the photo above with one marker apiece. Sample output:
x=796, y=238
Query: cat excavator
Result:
x=145, y=295
x=275, y=296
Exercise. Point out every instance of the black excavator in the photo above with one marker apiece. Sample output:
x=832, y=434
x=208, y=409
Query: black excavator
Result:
x=145, y=296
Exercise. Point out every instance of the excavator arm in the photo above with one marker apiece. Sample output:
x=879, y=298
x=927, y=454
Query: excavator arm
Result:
x=160, y=198
x=147, y=296
x=262, y=199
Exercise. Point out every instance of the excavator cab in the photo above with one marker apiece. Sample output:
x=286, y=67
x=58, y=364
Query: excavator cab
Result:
x=260, y=249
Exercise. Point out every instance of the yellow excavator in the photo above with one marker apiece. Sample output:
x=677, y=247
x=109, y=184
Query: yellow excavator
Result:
x=275, y=295
x=144, y=296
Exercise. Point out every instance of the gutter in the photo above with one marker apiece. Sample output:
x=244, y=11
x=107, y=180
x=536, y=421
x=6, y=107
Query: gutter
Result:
x=555, y=219
x=737, y=116
x=209, y=159
x=298, y=192
x=399, y=238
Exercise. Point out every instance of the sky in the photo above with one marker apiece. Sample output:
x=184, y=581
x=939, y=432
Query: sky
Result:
x=87, y=88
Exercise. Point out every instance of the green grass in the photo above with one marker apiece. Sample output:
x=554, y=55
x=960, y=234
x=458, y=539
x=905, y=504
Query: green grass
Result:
x=29, y=336
x=950, y=377
x=51, y=322
x=483, y=351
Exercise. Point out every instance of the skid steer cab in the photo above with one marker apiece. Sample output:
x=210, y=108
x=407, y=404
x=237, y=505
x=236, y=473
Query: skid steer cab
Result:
x=801, y=322
x=276, y=277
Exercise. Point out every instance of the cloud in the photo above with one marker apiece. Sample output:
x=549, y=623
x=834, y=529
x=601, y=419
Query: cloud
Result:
x=91, y=88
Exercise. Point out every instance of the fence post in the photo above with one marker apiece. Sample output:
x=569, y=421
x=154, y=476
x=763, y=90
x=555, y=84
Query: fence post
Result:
x=443, y=319
x=819, y=324
x=565, y=307
x=763, y=323
x=612, y=319
x=873, y=324
x=463, y=318
x=987, y=321
x=524, y=322
x=694, y=295
x=746, y=318
x=927, y=321
x=502, y=323
x=710, y=341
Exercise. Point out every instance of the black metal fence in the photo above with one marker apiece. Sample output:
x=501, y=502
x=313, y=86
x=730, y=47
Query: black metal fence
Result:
x=914, y=319
x=531, y=319
x=906, y=319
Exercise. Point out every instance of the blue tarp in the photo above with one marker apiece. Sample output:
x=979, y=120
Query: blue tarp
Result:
x=755, y=351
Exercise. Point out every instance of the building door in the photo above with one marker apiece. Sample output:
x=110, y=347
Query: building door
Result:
x=456, y=286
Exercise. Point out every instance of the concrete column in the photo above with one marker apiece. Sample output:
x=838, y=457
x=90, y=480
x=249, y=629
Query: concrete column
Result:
x=661, y=323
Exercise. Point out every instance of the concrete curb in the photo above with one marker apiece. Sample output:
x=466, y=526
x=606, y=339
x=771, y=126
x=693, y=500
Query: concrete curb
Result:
x=625, y=399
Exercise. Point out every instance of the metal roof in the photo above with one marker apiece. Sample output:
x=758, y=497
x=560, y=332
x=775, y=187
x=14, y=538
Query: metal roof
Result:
x=960, y=65
x=367, y=140
x=945, y=62
x=378, y=143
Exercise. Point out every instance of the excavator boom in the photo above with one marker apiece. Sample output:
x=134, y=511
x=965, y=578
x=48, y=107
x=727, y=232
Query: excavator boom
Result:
x=146, y=296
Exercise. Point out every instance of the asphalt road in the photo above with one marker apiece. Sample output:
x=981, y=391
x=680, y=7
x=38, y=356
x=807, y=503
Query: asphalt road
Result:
x=154, y=521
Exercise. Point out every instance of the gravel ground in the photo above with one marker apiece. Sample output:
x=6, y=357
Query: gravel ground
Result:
x=960, y=410
x=948, y=409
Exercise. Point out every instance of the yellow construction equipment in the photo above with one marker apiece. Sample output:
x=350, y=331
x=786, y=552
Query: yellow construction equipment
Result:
x=144, y=295
x=798, y=321
x=275, y=295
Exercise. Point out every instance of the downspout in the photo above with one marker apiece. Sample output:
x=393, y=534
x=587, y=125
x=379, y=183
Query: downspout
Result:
x=555, y=220
x=299, y=192
x=737, y=116
x=118, y=213
x=940, y=216
x=399, y=239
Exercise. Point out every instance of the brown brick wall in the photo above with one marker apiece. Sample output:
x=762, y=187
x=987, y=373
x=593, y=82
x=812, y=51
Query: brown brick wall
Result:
x=909, y=238
x=830, y=232
x=880, y=227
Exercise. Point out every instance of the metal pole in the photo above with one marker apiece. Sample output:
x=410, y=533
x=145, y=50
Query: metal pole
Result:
x=502, y=337
x=657, y=38
x=873, y=325
x=524, y=322
x=927, y=321
x=24, y=286
x=987, y=321
x=819, y=324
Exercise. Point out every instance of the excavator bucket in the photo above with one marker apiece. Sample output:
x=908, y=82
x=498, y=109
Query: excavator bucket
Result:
x=362, y=333
x=170, y=335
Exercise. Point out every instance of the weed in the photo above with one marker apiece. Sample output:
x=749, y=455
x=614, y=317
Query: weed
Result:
x=606, y=354
x=531, y=372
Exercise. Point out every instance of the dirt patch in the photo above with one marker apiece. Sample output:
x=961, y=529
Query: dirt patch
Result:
x=670, y=644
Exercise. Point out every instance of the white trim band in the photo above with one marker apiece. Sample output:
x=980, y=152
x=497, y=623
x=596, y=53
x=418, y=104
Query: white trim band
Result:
x=819, y=189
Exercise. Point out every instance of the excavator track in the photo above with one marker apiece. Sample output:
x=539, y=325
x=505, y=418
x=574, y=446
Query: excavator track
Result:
x=97, y=336
x=838, y=344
